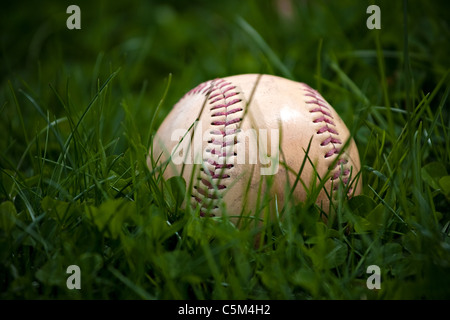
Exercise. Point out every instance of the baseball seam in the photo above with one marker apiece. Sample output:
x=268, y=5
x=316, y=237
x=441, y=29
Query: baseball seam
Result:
x=225, y=112
x=322, y=110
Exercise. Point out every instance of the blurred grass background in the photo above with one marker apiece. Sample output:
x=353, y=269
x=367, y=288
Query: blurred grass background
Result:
x=390, y=87
x=200, y=40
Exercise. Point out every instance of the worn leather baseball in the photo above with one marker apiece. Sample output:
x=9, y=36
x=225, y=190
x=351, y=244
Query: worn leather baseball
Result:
x=237, y=139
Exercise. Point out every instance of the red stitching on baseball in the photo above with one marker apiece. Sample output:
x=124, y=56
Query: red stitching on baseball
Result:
x=203, y=213
x=214, y=96
x=226, y=113
x=327, y=129
x=226, y=166
x=224, y=105
x=318, y=104
x=220, y=165
x=337, y=174
x=228, y=89
x=226, y=96
x=220, y=153
x=222, y=83
x=217, y=132
x=330, y=140
x=204, y=192
x=197, y=89
x=339, y=162
x=314, y=94
x=209, y=185
x=220, y=176
x=226, y=123
x=324, y=119
x=215, y=176
x=203, y=206
x=326, y=113
x=331, y=152
x=221, y=92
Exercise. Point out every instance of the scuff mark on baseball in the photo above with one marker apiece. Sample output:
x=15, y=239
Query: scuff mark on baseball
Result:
x=232, y=135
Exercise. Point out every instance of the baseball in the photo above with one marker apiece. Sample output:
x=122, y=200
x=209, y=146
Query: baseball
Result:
x=239, y=139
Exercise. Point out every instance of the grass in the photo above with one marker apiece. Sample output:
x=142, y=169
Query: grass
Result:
x=79, y=107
